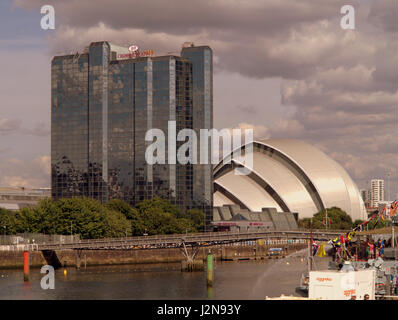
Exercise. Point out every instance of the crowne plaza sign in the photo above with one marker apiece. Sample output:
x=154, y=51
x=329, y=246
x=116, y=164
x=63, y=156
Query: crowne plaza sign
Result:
x=135, y=53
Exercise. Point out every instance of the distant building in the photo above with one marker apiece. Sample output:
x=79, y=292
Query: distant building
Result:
x=387, y=205
x=234, y=218
x=288, y=175
x=365, y=194
x=15, y=198
x=376, y=192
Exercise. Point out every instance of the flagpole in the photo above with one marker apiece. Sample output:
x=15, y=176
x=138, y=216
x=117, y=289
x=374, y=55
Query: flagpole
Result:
x=326, y=219
x=311, y=247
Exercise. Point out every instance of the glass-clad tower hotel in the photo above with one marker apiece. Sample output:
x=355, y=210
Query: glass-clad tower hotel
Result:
x=102, y=106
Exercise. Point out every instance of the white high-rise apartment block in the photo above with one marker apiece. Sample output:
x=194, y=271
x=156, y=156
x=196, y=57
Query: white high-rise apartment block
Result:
x=376, y=192
x=364, y=194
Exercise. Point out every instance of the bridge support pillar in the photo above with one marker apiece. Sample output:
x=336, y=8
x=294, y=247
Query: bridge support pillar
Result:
x=78, y=260
x=190, y=264
x=26, y=266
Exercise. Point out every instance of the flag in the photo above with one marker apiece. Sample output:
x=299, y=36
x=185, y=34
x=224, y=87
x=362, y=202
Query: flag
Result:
x=315, y=248
x=321, y=251
x=350, y=235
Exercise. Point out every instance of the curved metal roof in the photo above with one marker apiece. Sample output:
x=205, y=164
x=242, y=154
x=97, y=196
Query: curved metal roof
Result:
x=289, y=175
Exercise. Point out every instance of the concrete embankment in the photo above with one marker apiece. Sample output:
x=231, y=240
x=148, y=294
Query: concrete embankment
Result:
x=72, y=258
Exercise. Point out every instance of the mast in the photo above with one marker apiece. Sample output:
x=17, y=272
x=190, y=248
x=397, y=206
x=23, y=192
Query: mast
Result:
x=326, y=219
x=311, y=248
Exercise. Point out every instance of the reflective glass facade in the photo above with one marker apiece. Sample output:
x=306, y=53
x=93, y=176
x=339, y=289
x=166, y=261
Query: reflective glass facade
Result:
x=202, y=86
x=101, y=109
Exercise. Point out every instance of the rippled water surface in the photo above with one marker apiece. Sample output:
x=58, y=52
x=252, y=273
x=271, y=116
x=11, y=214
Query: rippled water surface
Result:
x=232, y=280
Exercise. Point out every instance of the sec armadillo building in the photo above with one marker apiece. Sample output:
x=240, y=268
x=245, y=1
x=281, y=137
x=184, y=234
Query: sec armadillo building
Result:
x=287, y=175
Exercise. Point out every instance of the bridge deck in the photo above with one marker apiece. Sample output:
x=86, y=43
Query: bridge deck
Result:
x=177, y=240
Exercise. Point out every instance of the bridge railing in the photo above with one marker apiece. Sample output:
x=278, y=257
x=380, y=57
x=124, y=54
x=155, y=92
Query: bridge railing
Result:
x=19, y=247
x=195, y=238
x=211, y=235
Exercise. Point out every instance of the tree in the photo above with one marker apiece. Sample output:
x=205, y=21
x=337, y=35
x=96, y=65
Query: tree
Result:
x=131, y=214
x=339, y=220
x=163, y=204
x=377, y=223
x=357, y=223
x=159, y=216
x=83, y=216
x=116, y=224
x=92, y=219
x=8, y=222
x=198, y=218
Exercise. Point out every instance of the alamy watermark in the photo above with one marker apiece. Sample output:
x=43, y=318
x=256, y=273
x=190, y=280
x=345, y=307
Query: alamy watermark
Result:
x=48, y=20
x=47, y=281
x=209, y=151
x=348, y=20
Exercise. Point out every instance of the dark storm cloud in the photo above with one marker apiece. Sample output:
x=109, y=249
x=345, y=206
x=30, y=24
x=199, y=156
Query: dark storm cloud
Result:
x=385, y=62
x=384, y=13
x=342, y=83
x=256, y=29
x=190, y=17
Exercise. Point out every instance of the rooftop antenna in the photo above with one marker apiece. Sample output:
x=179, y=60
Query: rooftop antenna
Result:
x=76, y=56
x=187, y=44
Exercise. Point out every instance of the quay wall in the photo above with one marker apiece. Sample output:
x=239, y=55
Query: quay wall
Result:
x=74, y=258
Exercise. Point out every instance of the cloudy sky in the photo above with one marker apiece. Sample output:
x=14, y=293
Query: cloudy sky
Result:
x=285, y=68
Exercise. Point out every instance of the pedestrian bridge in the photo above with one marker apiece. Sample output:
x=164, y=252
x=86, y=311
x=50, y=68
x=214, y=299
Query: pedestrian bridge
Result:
x=181, y=240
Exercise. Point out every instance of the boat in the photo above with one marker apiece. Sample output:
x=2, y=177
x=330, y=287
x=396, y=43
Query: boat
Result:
x=302, y=289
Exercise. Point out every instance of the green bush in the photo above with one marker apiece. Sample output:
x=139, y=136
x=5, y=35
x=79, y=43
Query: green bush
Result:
x=92, y=219
x=339, y=220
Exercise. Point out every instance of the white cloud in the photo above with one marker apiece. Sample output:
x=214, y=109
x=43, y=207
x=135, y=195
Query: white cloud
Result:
x=9, y=125
x=32, y=173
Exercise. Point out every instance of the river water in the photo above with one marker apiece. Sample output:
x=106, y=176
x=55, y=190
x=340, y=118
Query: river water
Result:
x=232, y=280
